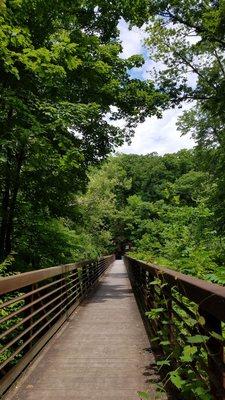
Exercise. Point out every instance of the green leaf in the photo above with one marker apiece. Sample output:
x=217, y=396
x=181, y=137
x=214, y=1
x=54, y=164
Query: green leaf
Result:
x=201, y=321
x=143, y=395
x=163, y=362
x=165, y=343
x=197, y=339
x=156, y=282
x=3, y=159
x=154, y=313
x=176, y=379
x=155, y=339
x=217, y=336
x=188, y=353
x=202, y=393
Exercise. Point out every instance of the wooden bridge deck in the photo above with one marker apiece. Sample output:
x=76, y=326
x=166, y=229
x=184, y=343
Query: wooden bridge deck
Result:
x=102, y=352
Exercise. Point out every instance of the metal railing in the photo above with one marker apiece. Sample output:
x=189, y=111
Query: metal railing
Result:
x=34, y=305
x=183, y=310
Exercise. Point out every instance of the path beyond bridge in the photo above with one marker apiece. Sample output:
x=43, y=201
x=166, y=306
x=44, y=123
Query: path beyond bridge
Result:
x=101, y=353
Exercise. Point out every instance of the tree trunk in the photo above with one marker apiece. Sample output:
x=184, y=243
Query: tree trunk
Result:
x=5, y=209
x=12, y=184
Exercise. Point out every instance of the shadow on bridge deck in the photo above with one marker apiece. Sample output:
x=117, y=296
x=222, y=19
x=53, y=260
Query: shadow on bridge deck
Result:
x=101, y=353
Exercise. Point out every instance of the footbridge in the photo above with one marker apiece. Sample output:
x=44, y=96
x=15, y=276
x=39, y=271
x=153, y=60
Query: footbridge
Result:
x=106, y=329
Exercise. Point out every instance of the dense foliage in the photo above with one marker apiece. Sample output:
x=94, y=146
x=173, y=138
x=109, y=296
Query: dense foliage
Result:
x=62, y=83
x=188, y=39
x=159, y=206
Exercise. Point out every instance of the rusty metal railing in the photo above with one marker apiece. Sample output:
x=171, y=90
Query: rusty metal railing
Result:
x=188, y=309
x=34, y=305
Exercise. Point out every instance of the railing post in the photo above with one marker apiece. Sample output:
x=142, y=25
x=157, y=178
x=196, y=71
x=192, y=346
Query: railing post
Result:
x=215, y=352
x=75, y=282
x=92, y=273
x=81, y=281
x=169, y=304
x=62, y=283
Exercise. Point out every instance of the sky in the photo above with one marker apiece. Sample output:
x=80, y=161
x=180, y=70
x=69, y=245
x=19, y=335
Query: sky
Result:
x=154, y=135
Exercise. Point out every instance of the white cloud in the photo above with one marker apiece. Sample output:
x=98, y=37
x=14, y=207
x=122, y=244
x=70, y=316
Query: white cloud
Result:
x=132, y=39
x=158, y=135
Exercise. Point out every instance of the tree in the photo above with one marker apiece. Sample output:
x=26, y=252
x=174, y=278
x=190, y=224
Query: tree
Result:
x=188, y=37
x=169, y=221
x=102, y=202
x=61, y=72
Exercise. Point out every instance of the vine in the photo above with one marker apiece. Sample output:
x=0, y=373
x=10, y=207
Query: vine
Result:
x=181, y=343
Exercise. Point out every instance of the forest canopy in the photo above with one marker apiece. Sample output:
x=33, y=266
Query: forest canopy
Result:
x=61, y=74
x=161, y=207
x=63, y=85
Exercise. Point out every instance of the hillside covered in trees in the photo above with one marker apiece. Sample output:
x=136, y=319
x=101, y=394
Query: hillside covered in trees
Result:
x=161, y=207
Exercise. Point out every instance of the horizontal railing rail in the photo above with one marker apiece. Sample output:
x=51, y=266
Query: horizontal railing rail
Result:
x=34, y=305
x=180, y=312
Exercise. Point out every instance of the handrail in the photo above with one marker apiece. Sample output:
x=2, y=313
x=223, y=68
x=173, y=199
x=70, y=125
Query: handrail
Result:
x=185, y=299
x=15, y=282
x=204, y=293
x=33, y=307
